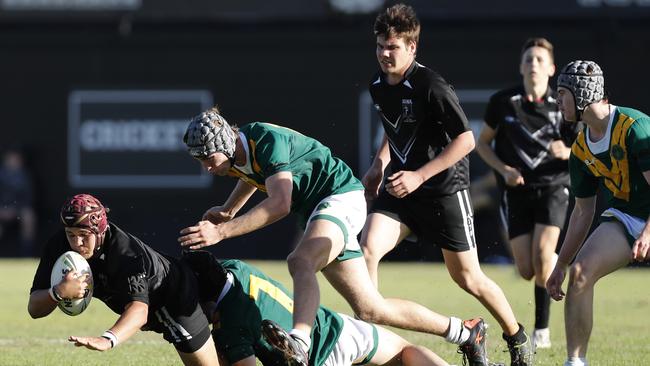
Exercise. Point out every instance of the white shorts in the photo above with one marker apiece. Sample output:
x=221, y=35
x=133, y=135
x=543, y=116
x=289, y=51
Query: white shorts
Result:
x=633, y=225
x=356, y=345
x=348, y=211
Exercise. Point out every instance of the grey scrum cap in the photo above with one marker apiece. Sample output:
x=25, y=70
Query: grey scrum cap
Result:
x=209, y=133
x=585, y=81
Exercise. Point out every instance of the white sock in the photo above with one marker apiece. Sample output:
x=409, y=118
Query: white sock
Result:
x=576, y=361
x=457, y=334
x=304, y=338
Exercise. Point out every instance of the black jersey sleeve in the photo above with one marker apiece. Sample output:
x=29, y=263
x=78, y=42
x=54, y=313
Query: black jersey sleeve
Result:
x=56, y=245
x=446, y=107
x=131, y=281
x=492, y=111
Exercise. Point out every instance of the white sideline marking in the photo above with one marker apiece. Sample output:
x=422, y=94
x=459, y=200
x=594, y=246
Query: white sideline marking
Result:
x=13, y=341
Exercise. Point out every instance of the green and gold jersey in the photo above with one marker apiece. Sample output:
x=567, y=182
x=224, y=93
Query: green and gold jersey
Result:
x=619, y=169
x=316, y=173
x=253, y=297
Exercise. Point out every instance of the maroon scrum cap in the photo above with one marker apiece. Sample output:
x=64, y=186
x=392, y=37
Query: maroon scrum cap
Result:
x=84, y=211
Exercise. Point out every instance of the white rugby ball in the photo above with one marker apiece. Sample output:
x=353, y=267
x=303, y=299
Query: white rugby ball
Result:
x=72, y=261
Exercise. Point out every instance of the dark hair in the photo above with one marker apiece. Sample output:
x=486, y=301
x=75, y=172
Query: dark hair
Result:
x=398, y=21
x=538, y=42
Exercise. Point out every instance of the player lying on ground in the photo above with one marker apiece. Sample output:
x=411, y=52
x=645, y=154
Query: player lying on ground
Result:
x=251, y=314
x=149, y=290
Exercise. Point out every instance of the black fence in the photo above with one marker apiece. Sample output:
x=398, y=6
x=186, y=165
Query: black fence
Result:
x=62, y=81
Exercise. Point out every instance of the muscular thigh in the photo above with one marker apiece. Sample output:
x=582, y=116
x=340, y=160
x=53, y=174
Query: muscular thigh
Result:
x=383, y=231
x=604, y=251
x=334, y=225
x=321, y=243
x=352, y=280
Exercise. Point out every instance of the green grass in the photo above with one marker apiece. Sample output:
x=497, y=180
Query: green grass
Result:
x=621, y=333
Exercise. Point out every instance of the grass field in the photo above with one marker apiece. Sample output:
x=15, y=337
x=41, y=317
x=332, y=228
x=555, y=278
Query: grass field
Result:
x=621, y=334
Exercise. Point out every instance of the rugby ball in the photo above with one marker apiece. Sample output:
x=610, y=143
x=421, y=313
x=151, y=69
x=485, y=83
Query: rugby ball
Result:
x=72, y=261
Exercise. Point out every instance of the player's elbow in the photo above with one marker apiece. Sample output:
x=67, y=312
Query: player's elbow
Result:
x=470, y=143
x=281, y=206
x=34, y=311
x=465, y=142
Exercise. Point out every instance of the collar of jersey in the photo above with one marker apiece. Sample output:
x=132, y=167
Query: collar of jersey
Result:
x=226, y=287
x=246, y=168
x=410, y=71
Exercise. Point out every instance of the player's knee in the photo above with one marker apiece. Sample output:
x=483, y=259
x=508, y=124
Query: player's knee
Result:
x=299, y=263
x=409, y=355
x=468, y=284
x=579, y=277
x=370, y=253
x=526, y=272
x=370, y=313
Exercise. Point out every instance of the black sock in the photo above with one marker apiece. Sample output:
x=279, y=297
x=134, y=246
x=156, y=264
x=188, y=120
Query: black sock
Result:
x=517, y=338
x=542, y=307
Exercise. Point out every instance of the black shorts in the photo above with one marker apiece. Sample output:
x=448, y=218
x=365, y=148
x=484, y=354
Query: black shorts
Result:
x=526, y=207
x=447, y=221
x=181, y=320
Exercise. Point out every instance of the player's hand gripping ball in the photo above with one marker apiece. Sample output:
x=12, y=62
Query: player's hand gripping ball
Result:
x=72, y=261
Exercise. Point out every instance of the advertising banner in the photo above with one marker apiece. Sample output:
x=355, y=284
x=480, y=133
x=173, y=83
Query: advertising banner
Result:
x=133, y=138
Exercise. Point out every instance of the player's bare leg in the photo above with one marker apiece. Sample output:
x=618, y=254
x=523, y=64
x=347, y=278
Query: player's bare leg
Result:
x=535, y=259
x=382, y=232
x=521, y=248
x=394, y=350
x=320, y=244
x=350, y=278
x=465, y=270
x=605, y=251
x=545, y=240
x=204, y=356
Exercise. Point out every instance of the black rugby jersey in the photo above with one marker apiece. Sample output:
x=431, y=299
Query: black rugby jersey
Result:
x=126, y=270
x=524, y=132
x=421, y=115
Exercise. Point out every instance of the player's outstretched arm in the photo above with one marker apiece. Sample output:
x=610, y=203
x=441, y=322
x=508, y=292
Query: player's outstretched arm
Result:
x=43, y=302
x=579, y=224
x=276, y=206
x=237, y=199
x=132, y=319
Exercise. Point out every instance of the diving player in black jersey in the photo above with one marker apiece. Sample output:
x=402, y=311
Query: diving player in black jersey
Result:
x=149, y=290
x=426, y=142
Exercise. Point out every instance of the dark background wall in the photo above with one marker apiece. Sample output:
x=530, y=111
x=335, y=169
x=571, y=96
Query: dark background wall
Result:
x=306, y=75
